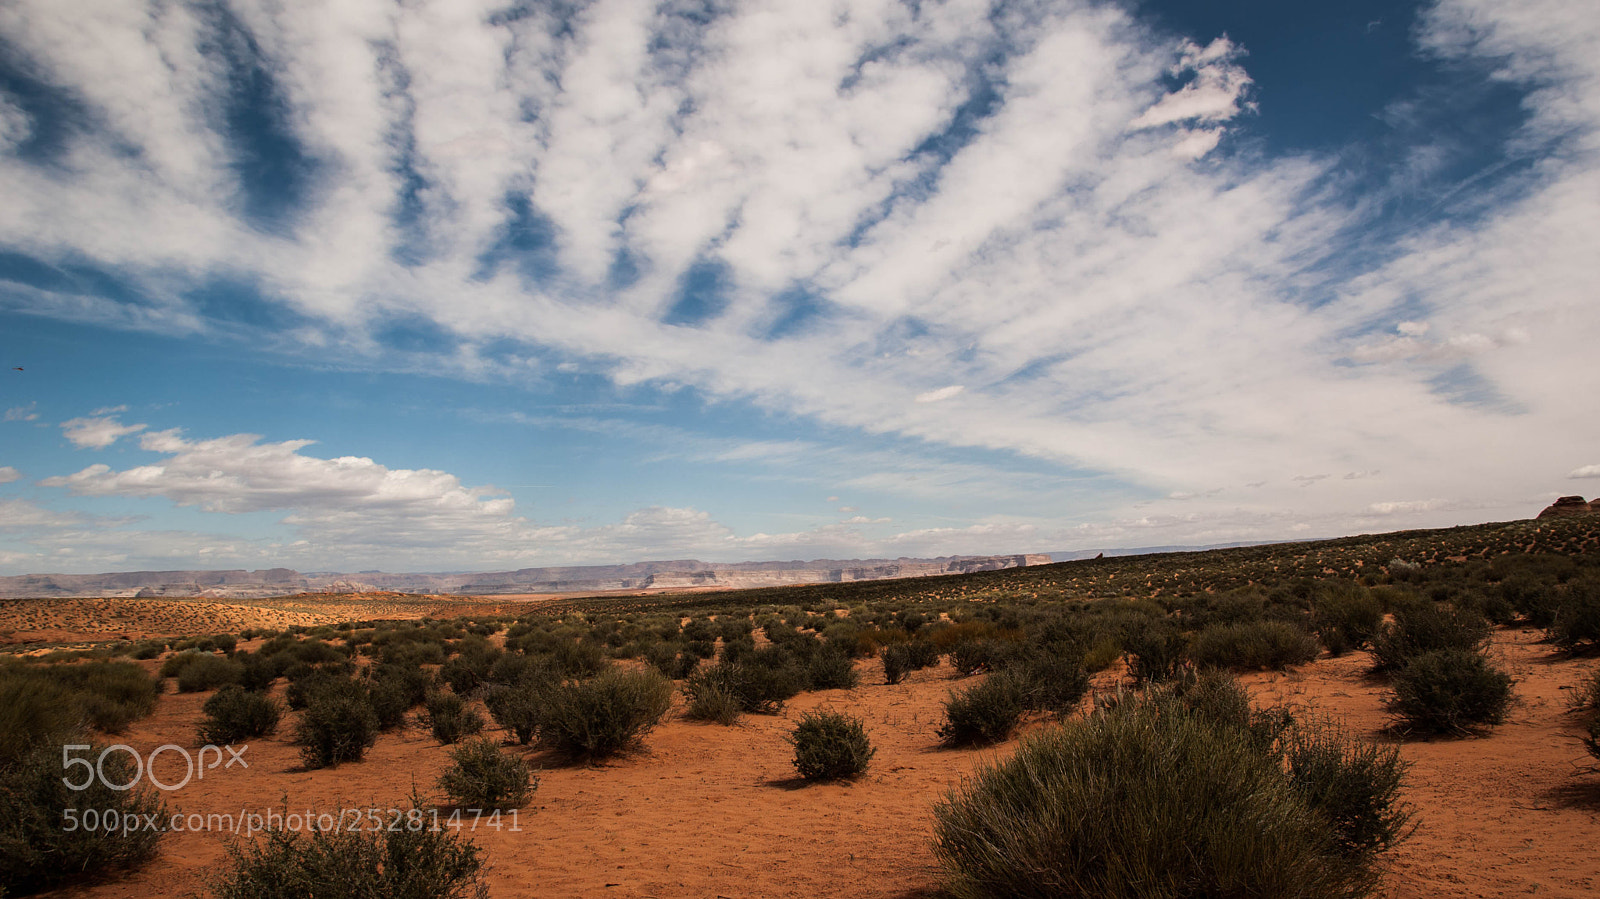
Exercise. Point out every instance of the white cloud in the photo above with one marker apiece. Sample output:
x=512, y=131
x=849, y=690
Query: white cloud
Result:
x=1214, y=95
x=1101, y=301
x=1586, y=471
x=14, y=125
x=8, y=474
x=346, y=498
x=22, y=413
x=97, y=432
x=1403, y=506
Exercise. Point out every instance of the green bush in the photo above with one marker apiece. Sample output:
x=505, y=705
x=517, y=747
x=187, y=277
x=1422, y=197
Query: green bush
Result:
x=197, y=671
x=1353, y=783
x=1421, y=626
x=44, y=708
x=712, y=702
x=1141, y=800
x=516, y=708
x=1155, y=652
x=896, y=659
x=830, y=746
x=338, y=726
x=672, y=662
x=1576, y=623
x=234, y=714
x=605, y=715
x=1255, y=645
x=393, y=864
x=758, y=688
x=1586, y=697
x=306, y=681
x=831, y=669
x=984, y=713
x=39, y=847
x=1346, y=617
x=974, y=656
x=482, y=777
x=449, y=717
x=1052, y=680
x=1450, y=691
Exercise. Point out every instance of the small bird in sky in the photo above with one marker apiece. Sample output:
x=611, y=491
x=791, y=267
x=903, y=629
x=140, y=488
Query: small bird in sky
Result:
x=16, y=368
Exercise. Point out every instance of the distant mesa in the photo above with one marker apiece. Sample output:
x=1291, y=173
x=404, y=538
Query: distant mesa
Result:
x=672, y=575
x=1570, y=505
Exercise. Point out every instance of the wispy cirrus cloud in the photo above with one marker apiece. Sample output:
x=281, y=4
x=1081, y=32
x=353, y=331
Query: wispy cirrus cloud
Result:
x=825, y=214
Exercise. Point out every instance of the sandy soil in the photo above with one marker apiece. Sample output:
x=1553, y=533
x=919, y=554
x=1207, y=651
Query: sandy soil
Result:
x=711, y=811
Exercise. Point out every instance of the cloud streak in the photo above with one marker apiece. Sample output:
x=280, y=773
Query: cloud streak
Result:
x=822, y=213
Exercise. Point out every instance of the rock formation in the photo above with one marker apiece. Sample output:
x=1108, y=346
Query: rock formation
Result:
x=1570, y=505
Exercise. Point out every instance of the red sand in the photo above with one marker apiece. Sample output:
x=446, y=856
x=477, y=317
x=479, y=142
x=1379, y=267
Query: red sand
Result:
x=709, y=811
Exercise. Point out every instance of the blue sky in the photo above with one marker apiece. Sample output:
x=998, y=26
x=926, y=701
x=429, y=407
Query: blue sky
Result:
x=477, y=285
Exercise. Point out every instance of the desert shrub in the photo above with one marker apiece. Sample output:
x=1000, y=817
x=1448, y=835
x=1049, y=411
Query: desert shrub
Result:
x=578, y=658
x=1423, y=626
x=1155, y=651
x=1586, y=696
x=393, y=864
x=984, y=713
x=411, y=654
x=896, y=659
x=449, y=717
x=482, y=777
x=208, y=672
x=830, y=746
x=35, y=712
x=923, y=654
x=711, y=701
x=1271, y=645
x=1346, y=617
x=1591, y=742
x=515, y=708
x=605, y=715
x=338, y=726
x=1450, y=691
x=259, y=672
x=147, y=649
x=471, y=666
x=1534, y=599
x=394, y=690
x=234, y=714
x=831, y=669
x=1102, y=653
x=308, y=681
x=988, y=654
x=1140, y=800
x=1576, y=623
x=1052, y=680
x=104, y=695
x=1354, y=784
x=39, y=847
x=313, y=652
x=758, y=688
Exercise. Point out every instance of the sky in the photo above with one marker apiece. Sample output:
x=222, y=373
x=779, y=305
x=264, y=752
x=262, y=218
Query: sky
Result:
x=442, y=286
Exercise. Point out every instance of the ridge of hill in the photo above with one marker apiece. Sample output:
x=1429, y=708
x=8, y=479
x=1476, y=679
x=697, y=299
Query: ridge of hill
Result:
x=676, y=574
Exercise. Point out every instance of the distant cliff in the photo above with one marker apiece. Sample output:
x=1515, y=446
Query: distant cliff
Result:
x=1569, y=505
x=680, y=574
